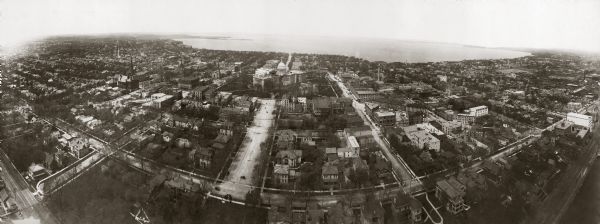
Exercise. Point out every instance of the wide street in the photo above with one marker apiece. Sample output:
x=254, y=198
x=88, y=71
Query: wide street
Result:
x=242, y=169
x=398, y=164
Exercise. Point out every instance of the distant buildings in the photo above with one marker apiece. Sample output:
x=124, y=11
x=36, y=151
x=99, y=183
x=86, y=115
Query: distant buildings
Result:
x=188, y=82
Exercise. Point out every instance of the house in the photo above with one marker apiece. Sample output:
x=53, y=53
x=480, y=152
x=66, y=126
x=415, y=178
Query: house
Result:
x=416, y=211
x=226, y=129
x=78, y=147
x=352, y=144
x=285, y=138
x=189, y=123
x=293, y=158
x=493, y=172
x=183, y=143
x=331, y=154
x=346, y=153
x=457, y=185
x=372, y=211
x=340, y=213
x=451, y=196
x=37, y=172
x=406, y=206
x=329, y=174
x=284, y=174
x=202, y=157
x=314, y=214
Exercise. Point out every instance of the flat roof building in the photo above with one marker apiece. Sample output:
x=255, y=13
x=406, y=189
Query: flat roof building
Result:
x=581, y=120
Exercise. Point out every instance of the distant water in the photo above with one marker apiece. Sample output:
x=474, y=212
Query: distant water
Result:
x=371, y=49
x=585, y=208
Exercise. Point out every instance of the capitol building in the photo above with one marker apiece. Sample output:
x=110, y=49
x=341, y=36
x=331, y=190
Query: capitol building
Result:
x=275, y=74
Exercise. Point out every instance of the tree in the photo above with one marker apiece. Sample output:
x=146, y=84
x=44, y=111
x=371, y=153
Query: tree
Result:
x=253, y=197
x=359, y=176
x=312, y=155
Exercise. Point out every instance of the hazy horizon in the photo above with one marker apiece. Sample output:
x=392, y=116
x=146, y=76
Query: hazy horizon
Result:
x=537, y=24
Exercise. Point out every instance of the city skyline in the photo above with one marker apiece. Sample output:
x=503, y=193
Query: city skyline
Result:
x=529, y=24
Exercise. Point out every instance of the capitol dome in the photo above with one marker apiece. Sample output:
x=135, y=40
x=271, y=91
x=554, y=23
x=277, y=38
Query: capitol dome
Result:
x=281, y=66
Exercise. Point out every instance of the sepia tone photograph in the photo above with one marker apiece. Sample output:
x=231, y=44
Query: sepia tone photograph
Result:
x=299, y=111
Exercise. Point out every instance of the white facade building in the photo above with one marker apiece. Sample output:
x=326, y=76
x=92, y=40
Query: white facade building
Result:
x=581, y=120
x=478, y=111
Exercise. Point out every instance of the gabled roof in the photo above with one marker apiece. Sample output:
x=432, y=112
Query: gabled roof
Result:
x=329, y=169
x=291, y=154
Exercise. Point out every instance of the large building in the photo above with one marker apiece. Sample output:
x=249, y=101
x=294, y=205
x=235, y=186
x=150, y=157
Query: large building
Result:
x=275, y=75
x=385, y=118
x=581, y=120
x=161, y=100
x=421, y=137
x=478, y=111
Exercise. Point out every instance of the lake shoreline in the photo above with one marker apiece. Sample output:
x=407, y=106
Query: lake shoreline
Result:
x=387, y=50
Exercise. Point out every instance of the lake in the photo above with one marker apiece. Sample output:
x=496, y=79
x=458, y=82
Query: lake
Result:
x=387, y=50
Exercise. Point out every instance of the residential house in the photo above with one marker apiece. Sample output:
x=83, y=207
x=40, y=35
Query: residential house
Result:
x=331, y=154
x=346, y=153
x=37, y=172
x=372, y=211
x=329, y=174
x=284, y=174
x=493, y=172
x=352, y=144
x=202, y=157
x=293, y=158
x=78, y=147
x=452, y=197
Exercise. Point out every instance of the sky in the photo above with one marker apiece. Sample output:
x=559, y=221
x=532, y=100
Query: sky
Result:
x=555, y=24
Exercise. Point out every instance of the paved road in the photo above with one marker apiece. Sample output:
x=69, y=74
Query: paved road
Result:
x=16, y=184
x=400, y=167
x=242, y=169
